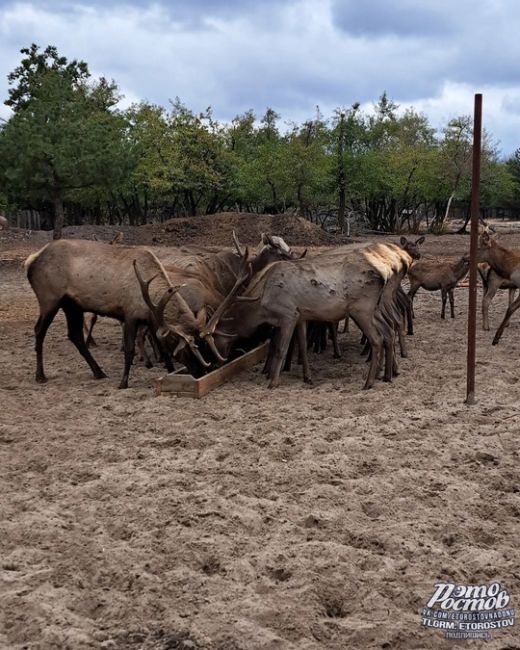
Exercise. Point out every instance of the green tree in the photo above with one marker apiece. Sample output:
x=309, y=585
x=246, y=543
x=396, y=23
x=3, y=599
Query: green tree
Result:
x=62, y=137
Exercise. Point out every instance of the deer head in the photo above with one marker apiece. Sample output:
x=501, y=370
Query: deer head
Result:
x=412, y=248
x=181, y=336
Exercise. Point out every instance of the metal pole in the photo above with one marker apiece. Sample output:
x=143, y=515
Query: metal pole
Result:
x=475, y=213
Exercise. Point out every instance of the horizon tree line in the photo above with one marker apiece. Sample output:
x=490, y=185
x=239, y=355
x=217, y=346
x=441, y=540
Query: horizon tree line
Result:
x=68, y=152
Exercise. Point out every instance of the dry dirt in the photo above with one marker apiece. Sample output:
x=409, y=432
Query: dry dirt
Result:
x=294, y=519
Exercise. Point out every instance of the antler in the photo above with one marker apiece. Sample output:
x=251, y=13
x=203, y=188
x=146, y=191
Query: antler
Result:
x=157, y=311
x=237, y=245
x=207, y=332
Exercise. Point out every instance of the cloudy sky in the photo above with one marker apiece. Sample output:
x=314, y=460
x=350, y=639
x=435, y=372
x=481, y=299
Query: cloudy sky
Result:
x=288, y=54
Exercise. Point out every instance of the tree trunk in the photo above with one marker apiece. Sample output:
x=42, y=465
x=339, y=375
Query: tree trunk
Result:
x=59, y=215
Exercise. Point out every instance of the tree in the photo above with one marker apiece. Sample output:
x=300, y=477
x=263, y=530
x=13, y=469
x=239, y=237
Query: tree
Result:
x=62, y=137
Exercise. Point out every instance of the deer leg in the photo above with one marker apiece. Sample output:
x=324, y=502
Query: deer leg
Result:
x=511, y=297
x=141, y=344
x=316, y=337
x=286, y=332
x=346, y=326
x=451, y=295
x=333, y=331
x=129, y=334
x=323, y=336
x=444, y=294
x=90, y=339
x=376, y=344
x=488, y=296
x=387, y=331
x=301, y=332
x=410, y=312
x=405, y=306
x=364, y=320
x=270, y=354
x=409, y=319
x=290, y=351
x=402, y=339
x=510, y=311
x=74, y=316
x=40, y=330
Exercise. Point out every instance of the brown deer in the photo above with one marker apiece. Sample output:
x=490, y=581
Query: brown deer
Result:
x=435, y=275
x=491, y=283
x=326, y=288
x=80, y=276
x=506, y=263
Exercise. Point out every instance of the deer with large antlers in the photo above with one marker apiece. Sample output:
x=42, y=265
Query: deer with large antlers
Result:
x=125, y=283
x=326, y=288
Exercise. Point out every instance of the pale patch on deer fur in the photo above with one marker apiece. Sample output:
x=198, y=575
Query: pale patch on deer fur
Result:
x=385, y=260
x=279, y=242
x=406, y=258
x=390, y=256
x=282, y=245
x=32, y=257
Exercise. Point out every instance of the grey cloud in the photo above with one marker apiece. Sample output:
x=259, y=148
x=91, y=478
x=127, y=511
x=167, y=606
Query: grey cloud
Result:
x=191, y=13
x=399, y=17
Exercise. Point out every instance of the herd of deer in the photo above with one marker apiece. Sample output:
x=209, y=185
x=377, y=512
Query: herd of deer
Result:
x=202, y=307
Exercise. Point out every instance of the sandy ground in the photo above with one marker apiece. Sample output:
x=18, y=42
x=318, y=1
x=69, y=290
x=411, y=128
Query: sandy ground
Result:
x=294, y=519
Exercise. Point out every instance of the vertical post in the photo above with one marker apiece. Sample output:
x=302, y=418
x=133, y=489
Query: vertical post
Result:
x=341, y=172
x=475, y=210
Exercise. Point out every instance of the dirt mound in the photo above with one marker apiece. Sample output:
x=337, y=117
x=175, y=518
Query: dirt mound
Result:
x=215, y=229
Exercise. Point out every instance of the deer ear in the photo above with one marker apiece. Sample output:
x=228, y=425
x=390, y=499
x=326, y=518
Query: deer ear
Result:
x=420, y=241
x=201, y=318
x=403, y=241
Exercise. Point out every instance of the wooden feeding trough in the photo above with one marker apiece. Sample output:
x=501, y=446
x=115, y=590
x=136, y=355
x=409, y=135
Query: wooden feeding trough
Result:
x=184, y=385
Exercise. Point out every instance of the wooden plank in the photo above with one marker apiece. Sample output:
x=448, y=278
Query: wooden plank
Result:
x=185, y=385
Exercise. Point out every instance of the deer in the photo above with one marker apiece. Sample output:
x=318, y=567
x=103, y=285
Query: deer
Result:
x=506, y=263
x=220, y=267
x=4, y=224
x=433, y=275
x=327, y=288
x=81, y=276
x=491, y=283
x=404, y=303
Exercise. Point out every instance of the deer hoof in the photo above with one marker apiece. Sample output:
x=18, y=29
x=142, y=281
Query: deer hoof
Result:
x=41, y=379
x=100, y=375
